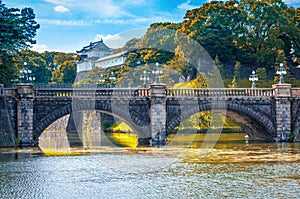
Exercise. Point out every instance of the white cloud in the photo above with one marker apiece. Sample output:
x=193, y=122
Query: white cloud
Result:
x=134, y=2
x=64, y=22
x=295, y=3
x=118, y=40
x=186, y=6
x=108, y=37
x=138, y=20
x=104, y=8
x=113, y=41
x=40, y=48
x=61, y=9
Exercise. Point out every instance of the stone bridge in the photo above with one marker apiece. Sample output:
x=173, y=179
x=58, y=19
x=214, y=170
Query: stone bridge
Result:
x=262, y=113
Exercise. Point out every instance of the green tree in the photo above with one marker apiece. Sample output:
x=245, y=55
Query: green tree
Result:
x=261, y=73
x=236, y=78
x=69, y=71
x=93, y=76
x=236, y=72
x=17, y=30
x=65, y=68
x=280, y=59
x=37, y=64
x=248, y=31
x=213, y=26
x=219, y=66
x=262, y=24
x=49, y=58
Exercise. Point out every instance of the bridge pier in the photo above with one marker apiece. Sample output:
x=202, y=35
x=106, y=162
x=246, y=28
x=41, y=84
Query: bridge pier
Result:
x=283, y=111
x=158, y=112
x=25, y=99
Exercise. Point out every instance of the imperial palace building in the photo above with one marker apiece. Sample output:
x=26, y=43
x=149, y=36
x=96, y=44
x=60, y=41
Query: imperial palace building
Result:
x=98, y=54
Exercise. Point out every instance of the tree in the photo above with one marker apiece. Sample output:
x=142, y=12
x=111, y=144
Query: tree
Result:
x=69, y=71
x=219, y=66
x=37, y=64
x=262, y=24
x=17, y=30
x=93, y=76
x=66, y=71
x=213, y=26
x=236, y=78
x=261, y=73
x=280, y=59
x=248, y=31
x=49, y=58
x=63, y=67
x=236, y=72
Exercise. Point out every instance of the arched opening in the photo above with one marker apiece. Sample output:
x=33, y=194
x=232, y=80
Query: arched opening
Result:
x=192, y=131
x=253, y=124
x=90, y=124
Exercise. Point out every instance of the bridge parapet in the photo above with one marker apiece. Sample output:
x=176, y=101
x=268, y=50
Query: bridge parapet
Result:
x=295, y=92
x=220, y=92
x=87, y=92
x=10, y=92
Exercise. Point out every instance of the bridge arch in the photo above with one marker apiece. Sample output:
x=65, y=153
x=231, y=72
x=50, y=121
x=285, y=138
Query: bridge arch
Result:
x=132, y=120
x=255, y=123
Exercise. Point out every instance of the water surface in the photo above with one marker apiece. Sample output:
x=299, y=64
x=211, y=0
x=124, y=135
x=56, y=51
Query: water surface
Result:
x=229, y=170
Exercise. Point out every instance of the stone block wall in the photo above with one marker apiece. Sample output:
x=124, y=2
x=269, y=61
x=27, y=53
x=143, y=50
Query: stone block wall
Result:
x=6, y=130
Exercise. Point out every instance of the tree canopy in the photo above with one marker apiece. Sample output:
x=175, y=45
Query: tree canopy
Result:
x=17, y=31
x=252, y=33
x=249, y=32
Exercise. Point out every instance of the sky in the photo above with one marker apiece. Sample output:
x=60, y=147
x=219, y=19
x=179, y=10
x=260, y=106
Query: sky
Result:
x=69, y=25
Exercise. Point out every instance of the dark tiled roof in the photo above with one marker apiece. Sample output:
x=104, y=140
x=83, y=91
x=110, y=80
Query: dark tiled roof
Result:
x=98, y=45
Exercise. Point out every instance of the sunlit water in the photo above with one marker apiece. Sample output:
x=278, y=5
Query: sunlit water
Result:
x=229, y=170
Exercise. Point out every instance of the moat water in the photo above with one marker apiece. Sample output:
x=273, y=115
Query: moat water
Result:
x=227, y=169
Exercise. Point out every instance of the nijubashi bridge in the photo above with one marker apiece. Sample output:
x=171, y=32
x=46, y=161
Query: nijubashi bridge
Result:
x=262, y=113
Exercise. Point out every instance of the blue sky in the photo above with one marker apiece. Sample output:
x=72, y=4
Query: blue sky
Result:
x=68, y=25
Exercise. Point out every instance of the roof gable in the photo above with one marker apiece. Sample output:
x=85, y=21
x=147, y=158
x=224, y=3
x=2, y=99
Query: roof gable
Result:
x=98, y=45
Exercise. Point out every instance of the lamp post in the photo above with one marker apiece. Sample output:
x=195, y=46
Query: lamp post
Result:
x=281, y=71
x=112, y=78
x=156, y=72
x=253, y=78
x=144, y=78
x=26, y=75
x=101, y=80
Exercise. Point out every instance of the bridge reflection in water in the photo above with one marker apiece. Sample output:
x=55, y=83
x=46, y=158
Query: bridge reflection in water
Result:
x=54, y=140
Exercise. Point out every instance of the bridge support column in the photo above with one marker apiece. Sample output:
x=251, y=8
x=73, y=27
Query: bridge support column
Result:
x=158, y=112
x=283, y=111
x=25, y=114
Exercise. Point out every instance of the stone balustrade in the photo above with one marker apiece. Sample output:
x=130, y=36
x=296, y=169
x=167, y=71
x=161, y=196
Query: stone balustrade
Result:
x=87, y=92
x=295, y=92
x=10, y=92
x=219, y=92
x=145, y=92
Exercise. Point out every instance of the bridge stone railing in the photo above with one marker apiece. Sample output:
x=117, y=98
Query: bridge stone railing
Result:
x=10, y=92
x=87, y=92
x=295, y=92
x=146, y=92
x=211, y=92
